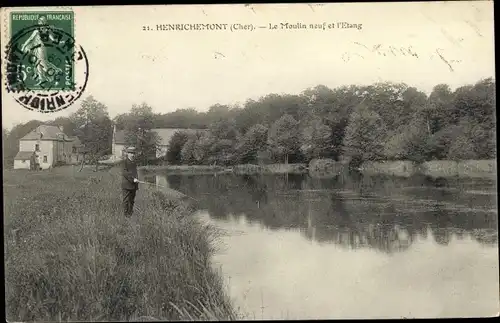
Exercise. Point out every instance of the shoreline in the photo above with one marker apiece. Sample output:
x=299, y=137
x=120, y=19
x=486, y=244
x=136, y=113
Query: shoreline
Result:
x=242, y=169
x=328, y=167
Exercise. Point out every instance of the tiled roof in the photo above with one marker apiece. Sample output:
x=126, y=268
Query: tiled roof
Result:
x=48, y=133
x=23, y=155
x=167, y=133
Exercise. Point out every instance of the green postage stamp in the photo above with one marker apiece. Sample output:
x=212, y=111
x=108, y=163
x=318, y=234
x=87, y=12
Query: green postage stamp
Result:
x=46, y=70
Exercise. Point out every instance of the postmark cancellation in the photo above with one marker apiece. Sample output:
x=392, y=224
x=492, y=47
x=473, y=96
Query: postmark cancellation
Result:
x=45, y=69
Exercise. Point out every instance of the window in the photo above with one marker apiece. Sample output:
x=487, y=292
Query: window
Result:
x=45, y=158
x=37, y=147
x=73, y=150
x=24, y=160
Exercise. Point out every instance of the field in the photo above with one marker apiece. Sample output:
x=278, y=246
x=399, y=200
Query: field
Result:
x=71, y=255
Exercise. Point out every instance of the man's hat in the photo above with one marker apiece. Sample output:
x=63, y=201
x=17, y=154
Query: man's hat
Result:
x=131, y=150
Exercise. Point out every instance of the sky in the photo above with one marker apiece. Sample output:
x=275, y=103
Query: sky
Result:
x=170, y=70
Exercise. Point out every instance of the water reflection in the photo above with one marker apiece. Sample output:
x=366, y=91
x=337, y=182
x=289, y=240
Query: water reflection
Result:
x=381, y=213
x=352, y=247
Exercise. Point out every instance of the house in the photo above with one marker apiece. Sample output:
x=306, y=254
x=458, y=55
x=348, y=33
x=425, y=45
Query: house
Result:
x=118, y=144
x=164, y=134
x=23, y=160
x=50, y=145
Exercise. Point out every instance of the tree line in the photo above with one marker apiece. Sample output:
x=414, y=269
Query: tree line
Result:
x=381, y=121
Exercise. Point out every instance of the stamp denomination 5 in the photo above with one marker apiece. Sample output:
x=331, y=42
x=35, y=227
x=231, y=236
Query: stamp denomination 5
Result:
x=46, y=70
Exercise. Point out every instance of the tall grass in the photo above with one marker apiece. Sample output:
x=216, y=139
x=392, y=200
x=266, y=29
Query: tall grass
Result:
x=70, y=254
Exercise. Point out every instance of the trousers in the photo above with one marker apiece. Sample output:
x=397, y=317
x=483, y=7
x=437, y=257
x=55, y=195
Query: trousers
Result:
x=128, y=201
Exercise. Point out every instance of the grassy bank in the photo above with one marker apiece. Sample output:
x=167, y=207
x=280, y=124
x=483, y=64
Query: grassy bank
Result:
x=71, y=255
x=464, y=168
x=405, y=168
x=246, y=169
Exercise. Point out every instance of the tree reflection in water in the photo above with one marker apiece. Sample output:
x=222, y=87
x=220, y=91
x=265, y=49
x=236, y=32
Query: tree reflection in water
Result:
x=382, y=213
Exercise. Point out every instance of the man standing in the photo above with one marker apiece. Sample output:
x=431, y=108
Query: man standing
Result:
x=130, y=182
x=32, y=161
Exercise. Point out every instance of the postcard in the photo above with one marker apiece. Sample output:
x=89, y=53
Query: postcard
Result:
x=250, y=161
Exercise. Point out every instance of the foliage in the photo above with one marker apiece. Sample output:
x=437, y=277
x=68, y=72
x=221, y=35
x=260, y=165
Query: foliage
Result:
x=175, y=147
x=365, y=134
x=317, y=140
x=408, y=142
x=94, y=128
x=222, y=142
x=396, y=121
x=254, y=140
x=472, y=141
x=202, y=149
x=188, y=150
x=138, y=125
x=283, y=138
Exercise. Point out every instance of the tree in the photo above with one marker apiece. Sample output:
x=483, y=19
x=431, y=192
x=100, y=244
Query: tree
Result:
x=187, y=151
x=439, y=143
x=94, y=128
x=317, y=139
x=181, y=118
x=254, y=140
x=439, y=110
x=223, y=139
x=387, y=100
x=408, y=141
x=11, y=142
x=472, y=141
x=483, y=98
x=283, y=138
x=138, y=125
x=202, y=148
x=249, y=116
x=365, y=134
x=476, y=102
x=218, y=112
x=175, y=146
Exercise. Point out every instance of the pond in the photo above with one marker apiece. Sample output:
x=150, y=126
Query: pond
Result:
x=299, y=247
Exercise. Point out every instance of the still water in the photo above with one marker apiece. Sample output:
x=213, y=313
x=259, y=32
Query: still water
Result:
x=352, y=247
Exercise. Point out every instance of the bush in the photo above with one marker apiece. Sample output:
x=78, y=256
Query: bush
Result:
x=175, y=147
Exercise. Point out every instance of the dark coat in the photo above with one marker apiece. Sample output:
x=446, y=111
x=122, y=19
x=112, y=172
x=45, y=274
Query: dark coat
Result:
x=129, y=172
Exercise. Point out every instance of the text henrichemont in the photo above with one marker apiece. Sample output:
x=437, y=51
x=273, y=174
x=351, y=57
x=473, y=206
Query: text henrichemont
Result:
x=188, y=27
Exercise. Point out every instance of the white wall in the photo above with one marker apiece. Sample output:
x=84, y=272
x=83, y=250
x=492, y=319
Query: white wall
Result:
x=22, y=164
x=46, y=149
x=117, y=150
